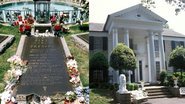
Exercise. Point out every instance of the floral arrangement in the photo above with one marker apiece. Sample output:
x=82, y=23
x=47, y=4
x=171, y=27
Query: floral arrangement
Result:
x=82, y=94
x=70, y=96
x=18, y=67
x=73, y=71
x=11, y=77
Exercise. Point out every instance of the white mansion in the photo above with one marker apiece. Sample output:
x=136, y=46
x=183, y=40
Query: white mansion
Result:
x=141, y=30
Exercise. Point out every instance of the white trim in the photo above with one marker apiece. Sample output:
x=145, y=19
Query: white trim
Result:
x=99, y=34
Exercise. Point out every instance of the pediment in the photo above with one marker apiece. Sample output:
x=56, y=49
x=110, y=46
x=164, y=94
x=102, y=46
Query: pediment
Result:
x=138, y=12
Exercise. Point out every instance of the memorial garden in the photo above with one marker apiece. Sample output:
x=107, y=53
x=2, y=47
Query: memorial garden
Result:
x=41, y=61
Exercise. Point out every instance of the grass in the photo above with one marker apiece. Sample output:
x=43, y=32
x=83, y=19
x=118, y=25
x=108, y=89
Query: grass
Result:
x=82, y=59
x=101, y=96
x=84, y=37
x=74, y=29
x=4, y=65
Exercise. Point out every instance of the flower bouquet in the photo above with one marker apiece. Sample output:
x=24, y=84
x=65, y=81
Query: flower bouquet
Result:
x=70, y=97
x=73, y=71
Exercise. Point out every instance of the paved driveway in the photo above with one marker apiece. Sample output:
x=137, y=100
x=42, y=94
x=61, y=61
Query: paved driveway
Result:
x=165, y=101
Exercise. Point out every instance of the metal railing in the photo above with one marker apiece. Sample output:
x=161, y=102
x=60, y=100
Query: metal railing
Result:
x=71, y=16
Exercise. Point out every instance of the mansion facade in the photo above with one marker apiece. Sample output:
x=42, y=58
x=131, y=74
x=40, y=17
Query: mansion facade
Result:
x=142, y=31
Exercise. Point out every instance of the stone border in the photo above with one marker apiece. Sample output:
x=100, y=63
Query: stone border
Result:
x=65, y=47
x=81, y=43
x=68, y=53
x=21, y=46
x=7, y=41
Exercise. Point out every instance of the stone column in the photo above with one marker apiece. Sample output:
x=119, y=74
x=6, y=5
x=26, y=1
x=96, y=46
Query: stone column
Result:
x=161, y=47
x=152, y=56
x=115, y=35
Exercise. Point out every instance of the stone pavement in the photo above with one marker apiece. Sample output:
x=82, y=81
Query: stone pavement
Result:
x=165, y=101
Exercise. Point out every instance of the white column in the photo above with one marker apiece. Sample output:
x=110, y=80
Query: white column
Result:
x=126, y=41
x=161, y=47
x=114, y=35
x=152, y=57
x=126, y=37
x=148, y=51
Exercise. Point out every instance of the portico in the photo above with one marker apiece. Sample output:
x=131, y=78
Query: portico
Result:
x=134, y=26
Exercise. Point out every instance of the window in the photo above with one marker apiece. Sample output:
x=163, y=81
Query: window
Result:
x=157, y=69
x=91, y=43
x=105, y=43
x=98, y=43
x=98, y=75
x=174, y=44
x=156, y=45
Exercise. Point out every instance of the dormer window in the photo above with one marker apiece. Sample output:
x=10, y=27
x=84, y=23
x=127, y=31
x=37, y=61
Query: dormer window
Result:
x=138, y=15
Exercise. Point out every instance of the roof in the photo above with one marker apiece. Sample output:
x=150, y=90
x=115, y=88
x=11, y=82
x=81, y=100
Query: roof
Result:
x=140, y=10
x=96, y=26
x=171, y=33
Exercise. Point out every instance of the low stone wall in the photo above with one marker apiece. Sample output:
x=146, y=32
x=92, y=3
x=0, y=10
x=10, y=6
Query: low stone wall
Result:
x=21, y=46
x=80, y=43
x=123, y=98
x=6, y=42
x=174, y=91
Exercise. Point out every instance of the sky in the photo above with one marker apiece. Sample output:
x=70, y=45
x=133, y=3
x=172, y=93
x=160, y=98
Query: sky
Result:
x=99, y=10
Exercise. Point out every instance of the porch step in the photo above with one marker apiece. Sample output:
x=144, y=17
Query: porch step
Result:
x=157, y=92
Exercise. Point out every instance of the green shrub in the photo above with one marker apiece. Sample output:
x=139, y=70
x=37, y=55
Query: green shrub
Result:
x=99, y=62
x=132, y=86
x=84, y=27
x=163, y=77
x=2, y=86
x=122, y=57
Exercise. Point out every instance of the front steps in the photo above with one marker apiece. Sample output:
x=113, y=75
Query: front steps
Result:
x=157, y=92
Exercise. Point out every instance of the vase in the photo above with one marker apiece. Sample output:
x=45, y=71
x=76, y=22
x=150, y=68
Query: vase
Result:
x=175, y=83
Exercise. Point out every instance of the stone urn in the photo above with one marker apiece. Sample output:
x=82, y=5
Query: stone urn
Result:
x=142, y=85
x=175, y=83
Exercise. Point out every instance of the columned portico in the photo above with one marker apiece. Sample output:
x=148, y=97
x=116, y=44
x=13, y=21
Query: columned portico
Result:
x=138, y=24
x=152, y=56
x=161, y=47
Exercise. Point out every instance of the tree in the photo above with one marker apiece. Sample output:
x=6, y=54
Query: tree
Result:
x=177, y=58
x=179, y=4
x=98, y=61
x=122, y=57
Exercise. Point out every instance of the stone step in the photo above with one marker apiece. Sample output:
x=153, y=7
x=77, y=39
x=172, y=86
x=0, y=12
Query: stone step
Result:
x=157, y=92
x=159, y=96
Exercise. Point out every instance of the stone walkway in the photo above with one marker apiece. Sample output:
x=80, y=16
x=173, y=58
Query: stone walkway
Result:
x=165, y=101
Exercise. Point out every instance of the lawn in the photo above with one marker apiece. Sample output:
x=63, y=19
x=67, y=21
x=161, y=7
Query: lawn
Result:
x=101, y=96
x=82, y=58
x=4, y=65
x=84, y=37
